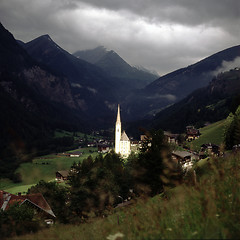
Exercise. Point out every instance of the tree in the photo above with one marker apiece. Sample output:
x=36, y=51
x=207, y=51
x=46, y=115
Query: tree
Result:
x=56, y=195
x=148, y=168
x=96, y=184
x=17, y=220
x=232, y=132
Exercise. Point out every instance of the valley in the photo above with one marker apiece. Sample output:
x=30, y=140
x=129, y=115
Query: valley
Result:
x=173, y=173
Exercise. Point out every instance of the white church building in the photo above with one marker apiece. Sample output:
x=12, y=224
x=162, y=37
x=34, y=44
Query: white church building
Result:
x=122, y=142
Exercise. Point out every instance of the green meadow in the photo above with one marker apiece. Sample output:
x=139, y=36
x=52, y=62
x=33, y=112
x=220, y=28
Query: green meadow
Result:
x=213, y=133
x=43, y=168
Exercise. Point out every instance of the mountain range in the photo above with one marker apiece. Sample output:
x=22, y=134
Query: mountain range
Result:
x=115, y=66
x=173, y=87
x=43, y=87
x=205, y=105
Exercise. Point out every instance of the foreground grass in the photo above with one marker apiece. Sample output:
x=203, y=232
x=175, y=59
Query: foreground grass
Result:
x=208, y=210
x=214, y=133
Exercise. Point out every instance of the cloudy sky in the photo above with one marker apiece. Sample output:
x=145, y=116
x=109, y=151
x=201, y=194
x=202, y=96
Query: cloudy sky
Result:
x=158, y=34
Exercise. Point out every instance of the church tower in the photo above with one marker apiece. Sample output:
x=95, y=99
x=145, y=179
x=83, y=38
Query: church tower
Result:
x=118, y=131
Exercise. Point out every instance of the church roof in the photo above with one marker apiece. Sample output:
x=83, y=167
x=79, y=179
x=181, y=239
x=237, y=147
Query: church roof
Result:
x=118, y=115
x=124, y=137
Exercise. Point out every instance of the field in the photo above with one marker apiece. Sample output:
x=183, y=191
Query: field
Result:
x=43, y=168
x=214, y=133
x=208, y=210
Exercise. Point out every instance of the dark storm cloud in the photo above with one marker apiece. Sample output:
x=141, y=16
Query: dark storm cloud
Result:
x=159, y=34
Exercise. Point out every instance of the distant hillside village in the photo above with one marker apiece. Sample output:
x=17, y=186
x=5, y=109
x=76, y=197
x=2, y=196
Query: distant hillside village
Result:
x=124, y=146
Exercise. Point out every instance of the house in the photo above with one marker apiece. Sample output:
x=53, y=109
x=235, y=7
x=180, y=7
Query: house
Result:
x=171, y=138
x=192, y=133
x=76, y=154
x=182, y=156
x=210, y=148
x=236, y=148
x=35, y=201
x=103, y=148
x=62, y=175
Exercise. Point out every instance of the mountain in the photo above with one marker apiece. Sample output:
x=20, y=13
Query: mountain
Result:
x=176, y=85
x=92, y=89
x=207, y=104
x=113, y=64
x=33, y=102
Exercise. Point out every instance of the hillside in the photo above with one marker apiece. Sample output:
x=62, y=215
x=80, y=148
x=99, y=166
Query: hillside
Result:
x=176, y=85
x=208, y=210
x=208, y=104
x=33, y=101
x=213, y=133
x=92, y=89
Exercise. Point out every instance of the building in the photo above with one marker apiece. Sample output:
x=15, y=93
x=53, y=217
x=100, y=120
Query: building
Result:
x=192, y=133
x=35, y=201
x=122, y=142
x=171, y=138
x=103, y=148
x=62, y=175
x=76, y=154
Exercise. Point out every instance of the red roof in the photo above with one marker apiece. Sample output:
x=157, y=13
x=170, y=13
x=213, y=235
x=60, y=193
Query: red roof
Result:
x=36, y=199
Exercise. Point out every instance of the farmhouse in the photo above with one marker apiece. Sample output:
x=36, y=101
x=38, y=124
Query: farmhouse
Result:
x=76, y=154
x=103, y=148
x=62, y=175
x=35, y=201
x=184, y=158
x=171, y=138
x=210, y=149
x=192, y=133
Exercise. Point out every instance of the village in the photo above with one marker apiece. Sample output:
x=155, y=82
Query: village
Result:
x=181, y=154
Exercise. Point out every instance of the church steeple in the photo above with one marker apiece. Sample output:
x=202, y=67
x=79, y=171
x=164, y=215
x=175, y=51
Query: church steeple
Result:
x=118, y=131
x=118, y=115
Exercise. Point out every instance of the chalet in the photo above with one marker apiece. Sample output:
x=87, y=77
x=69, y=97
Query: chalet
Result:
x=103, y=148
x=192, y=133
x=62, y=175
x=182, y=156
x=35, y=201
x=210, y=148
x=76, y=154
x=171, y=138
x=236, y=148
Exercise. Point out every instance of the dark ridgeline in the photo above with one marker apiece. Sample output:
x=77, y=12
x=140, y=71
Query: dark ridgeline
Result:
x=207, y=104
x=176, y=85
x=109, y=61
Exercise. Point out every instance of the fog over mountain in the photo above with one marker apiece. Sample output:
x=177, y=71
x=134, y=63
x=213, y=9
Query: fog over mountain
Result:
x=162, y=35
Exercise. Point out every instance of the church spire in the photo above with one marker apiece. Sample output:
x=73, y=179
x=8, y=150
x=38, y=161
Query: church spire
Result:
x=118, y=115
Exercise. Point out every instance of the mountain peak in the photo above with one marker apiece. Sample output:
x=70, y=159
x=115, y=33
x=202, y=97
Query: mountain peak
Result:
x=45, y=37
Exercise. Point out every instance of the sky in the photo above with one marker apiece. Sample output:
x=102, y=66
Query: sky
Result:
x=161, y=35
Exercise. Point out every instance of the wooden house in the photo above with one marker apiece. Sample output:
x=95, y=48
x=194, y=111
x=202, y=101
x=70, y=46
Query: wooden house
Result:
x=192, y=133
x=103, y=148
x=76, y=154
x=62, y=175
x=210, y=148
x=171, y=138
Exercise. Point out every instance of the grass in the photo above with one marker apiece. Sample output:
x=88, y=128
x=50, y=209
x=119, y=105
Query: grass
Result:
x=76, y=135
x=214, y=133
x=43, y=168
x=208, y=210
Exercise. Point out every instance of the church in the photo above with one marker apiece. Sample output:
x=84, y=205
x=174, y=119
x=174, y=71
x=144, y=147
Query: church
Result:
x=122, y=142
